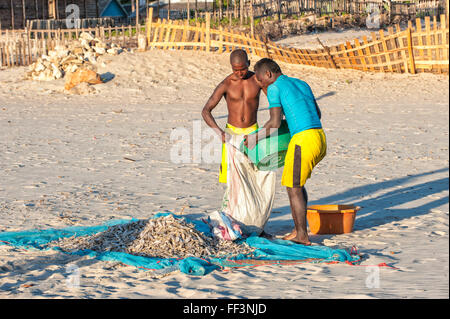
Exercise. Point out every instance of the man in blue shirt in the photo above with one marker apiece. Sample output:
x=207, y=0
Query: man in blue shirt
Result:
x=307, y=147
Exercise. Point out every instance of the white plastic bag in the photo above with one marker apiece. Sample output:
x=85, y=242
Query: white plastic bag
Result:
x=250, y=192
x=223, y=226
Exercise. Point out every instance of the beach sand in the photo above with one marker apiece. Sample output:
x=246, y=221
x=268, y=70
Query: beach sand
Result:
x=63, y=164
x=328, y=38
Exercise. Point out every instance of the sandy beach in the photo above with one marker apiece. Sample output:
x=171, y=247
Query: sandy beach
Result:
x=86, y=159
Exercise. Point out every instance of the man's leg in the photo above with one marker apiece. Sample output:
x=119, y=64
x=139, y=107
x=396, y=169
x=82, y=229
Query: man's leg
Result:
x=298, y=199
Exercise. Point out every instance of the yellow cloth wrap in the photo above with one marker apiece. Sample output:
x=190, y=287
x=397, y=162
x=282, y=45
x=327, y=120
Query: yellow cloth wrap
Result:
x=230, y=129
x=306, y=149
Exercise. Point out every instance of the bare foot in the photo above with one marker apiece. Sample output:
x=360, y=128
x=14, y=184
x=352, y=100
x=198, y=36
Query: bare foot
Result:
x=305, y=243
x=290, y=236
x=304, y=240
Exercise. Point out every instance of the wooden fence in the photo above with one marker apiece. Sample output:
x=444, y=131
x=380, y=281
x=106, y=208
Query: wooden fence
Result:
x=421, y=47
x=288, y=8
x=418, y=48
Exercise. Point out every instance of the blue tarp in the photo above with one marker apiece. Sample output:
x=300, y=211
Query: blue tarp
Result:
x=276, y=250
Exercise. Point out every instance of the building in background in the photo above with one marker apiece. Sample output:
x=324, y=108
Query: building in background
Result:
x=14, y=13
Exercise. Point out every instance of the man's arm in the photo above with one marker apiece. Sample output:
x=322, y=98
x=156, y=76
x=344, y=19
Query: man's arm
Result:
x=212, y=102
x=274, y=122
x=273, y=96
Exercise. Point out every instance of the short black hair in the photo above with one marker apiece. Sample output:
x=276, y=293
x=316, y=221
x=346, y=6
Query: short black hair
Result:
x=267, y=64
x=238, y=55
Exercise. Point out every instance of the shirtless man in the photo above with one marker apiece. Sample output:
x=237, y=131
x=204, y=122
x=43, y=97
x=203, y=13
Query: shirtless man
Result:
x=241, y=92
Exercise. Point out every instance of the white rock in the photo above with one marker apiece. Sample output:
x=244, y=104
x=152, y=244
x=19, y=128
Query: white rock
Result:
x=39, y=67
x=86, y=36
x=73, y=68
x=100, y=51
x=114, y=51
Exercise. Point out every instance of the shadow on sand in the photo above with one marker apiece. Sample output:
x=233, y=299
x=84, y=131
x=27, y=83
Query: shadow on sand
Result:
x=383, y=208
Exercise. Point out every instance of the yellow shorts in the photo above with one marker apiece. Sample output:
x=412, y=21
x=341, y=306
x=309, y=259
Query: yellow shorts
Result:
x=230, y=129
x=306, y=149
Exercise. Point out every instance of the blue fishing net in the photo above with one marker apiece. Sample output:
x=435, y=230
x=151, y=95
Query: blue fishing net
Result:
x=276, y=250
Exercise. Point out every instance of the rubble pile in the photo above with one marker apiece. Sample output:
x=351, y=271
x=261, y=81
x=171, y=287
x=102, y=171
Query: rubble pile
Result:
x=66, y=59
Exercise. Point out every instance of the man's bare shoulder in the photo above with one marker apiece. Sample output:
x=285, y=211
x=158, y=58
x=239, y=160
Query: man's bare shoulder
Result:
x=226, y=82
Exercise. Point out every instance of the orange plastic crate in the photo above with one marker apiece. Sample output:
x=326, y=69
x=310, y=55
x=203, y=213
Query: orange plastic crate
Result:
x=331, y=219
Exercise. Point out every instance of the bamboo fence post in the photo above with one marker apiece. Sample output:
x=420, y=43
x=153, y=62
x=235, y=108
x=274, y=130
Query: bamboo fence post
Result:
x=376, y=47
x=123, y=35
x=162, y=30
x=24, y=51
x=386, y=50
x=2, y=54
x=202, y=36
x=174, y=33
x=168, y=29
x=411, y=52
x=252, y=20
x=130, y=33
x=403, y=48
x=393, y=43
x=137, y=17
x=7, y=54
x=243, y=42
x=419, y=36
x=207, y=32
x=428, y=38
x=361, y=55
x=220, y=38
x=157, y=31
x=28, y=41
x=327, y=50
x=448, y=12
x=179, y=37
x=185, y=33
x=307, y=57
x=196, y=34
x=226, y=39
x=444, y=29
x=345, y=54
x=149, y=25
x=17, y=50
x=188, y=9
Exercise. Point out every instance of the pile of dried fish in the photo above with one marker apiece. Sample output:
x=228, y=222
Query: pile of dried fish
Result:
x=162, y=237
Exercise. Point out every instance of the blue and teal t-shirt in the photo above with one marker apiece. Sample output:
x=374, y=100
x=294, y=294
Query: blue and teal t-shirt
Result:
x=297, y=101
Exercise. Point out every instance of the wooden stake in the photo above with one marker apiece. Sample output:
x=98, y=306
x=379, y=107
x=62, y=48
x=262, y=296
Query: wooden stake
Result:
x=12, y=13
x=361, y=55
x=327, y=50
x=28, y=41
x=428, y=37
x=149, y=25
x=208, y=36
x=386, y=50
x=411, y=52
x=137, y=17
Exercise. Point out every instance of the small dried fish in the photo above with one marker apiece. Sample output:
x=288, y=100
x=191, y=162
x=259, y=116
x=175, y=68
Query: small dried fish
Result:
x=163, y=237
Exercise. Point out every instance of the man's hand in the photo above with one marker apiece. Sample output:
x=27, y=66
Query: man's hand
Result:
x=250, y=141
x=225, y=137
